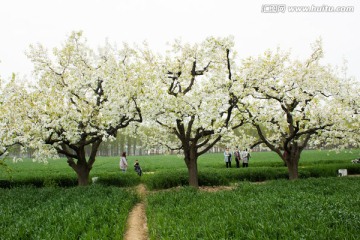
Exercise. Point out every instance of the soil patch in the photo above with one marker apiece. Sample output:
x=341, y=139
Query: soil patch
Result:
x=137, y=224
x=215, y=189
x=137, y=227
x=353, y=175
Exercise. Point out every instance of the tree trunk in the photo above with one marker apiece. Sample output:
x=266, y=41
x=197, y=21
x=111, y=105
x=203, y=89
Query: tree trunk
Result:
x=191, y=163
x=83, y=175
x=292, y=163
x=128, y=146
x=193, y=173
x=82, y=170
x=293, y=170
x=81, y=166
x=134, y=146
x=122, y=144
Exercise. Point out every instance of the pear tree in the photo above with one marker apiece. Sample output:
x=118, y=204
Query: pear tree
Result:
x=295, y=104
x=193, y=101
x=82, y=98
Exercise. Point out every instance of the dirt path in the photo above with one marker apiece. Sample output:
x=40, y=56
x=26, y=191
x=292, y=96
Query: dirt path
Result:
x=137, y=226
x=137, y=223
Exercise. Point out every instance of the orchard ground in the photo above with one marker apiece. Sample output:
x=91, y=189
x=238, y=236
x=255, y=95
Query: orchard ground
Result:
x=36, y=207
x=164, y=171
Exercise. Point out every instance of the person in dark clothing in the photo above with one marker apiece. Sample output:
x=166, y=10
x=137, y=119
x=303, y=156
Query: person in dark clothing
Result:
x=137, y=168
x=237, y=157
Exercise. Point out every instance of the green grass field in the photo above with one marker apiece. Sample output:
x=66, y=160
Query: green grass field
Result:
x=323, y=208
x=312, y=208
x=166, y=171
x=94, y=212
x=157, y=163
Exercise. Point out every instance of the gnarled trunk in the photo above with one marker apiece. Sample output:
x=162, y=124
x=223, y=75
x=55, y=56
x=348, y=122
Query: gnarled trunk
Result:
x=82, y=167
x=82, y=170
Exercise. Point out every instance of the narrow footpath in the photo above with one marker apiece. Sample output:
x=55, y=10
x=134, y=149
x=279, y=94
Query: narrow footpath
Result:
x=137, y=225
x=137, y=222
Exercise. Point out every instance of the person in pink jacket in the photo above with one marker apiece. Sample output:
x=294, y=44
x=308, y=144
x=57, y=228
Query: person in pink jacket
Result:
x=123, y=162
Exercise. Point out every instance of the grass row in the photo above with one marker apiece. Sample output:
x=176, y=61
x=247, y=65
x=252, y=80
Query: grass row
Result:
x=169, y=170
x=303, y=209
x=322, y=208
x=95, y=212
x=179, y=177
x=215, y=177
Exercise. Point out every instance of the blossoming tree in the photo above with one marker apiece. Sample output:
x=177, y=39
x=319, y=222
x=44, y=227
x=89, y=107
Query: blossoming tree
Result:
x=5, y=141
x=194, y=99
x=83, y=98
x=295, y=104
x=12, y=129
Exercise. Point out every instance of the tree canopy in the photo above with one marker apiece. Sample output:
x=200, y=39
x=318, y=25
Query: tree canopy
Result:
x=188, y=99
x=294, y=104
x=83, y=98
x=195, y=98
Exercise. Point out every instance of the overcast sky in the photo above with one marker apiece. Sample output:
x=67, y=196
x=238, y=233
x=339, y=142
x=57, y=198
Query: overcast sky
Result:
x=49, y=22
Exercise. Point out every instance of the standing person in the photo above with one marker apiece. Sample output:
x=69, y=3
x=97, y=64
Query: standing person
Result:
x=123, y=162
x=137, y=168
x=237, y=157
x=245, y=156
x=227, y=158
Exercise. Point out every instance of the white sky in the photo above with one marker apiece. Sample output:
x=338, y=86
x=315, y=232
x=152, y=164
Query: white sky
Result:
x=49, y=22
